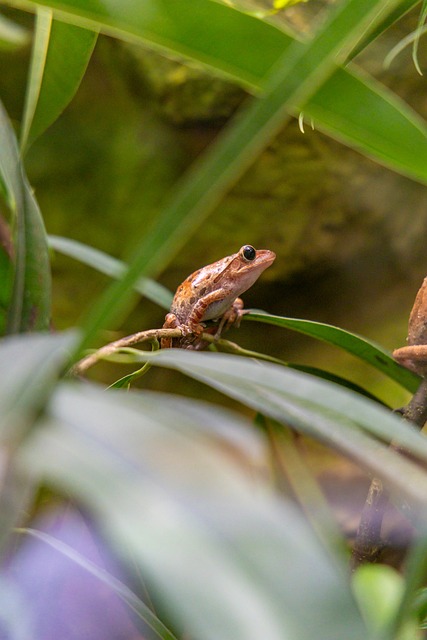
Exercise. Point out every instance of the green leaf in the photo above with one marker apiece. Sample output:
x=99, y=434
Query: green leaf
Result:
x=344, y=420
x=378, y=590
x=222, y=45
x=301, y=70
x=176, y=26
x=29, y=368
x=358, y=346
x=31, y=293
x=110, y=266
x=363, y=114
x=12, y=35
x=60, y=55
x=195, y=515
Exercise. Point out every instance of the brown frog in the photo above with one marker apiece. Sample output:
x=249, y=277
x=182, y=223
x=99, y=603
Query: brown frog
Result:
x=212, y=293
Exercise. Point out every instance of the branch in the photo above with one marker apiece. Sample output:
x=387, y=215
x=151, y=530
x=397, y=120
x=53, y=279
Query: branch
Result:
x=368, y=544
x=151, y=335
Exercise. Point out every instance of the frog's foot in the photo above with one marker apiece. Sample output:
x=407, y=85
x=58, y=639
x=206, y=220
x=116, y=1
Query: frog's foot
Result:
x=231, y=318
x=191, y=336
x=188, y=332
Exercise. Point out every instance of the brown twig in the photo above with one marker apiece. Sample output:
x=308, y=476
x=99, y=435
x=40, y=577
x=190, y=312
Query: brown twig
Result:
x=151, y=335
x=368, y=544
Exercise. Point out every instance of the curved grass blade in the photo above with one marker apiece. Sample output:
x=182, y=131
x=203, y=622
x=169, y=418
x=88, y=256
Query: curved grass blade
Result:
x=12, y=35
x=421, y=22
x=31, y=292
x=346, y=421
x=358, y=346
x=119, y=588
x=61, y=53
x=110, y=266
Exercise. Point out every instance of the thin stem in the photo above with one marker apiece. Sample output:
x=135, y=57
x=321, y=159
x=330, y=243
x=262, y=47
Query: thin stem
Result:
x=150, y=335
x=368, y=544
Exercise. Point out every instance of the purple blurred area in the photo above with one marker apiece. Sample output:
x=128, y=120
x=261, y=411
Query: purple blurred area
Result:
x=44, y=595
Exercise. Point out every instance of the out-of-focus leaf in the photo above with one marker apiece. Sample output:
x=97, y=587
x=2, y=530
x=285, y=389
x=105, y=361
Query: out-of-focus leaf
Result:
x=29, y=368
x=137, y=605
x=6, y=272
x=358, y=346
x=12, y=35
x=421, y=21
x=29, y=365
x=378, y=591
x=14, y=616
x=31, y=293
x=60, y=55
x=414, y=577
x=325, y=411
x=111, y=267
x=222, y=556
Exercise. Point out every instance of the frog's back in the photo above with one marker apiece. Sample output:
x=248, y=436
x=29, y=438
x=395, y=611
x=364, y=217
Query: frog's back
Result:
x=196, y=286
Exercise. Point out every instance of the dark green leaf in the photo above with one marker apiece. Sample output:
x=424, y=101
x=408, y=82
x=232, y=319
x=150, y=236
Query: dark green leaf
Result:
x=356, y=345
x=31, y=294
x=60, y=55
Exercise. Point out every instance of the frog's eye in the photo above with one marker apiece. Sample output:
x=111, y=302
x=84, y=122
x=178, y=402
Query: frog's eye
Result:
x=248, y=252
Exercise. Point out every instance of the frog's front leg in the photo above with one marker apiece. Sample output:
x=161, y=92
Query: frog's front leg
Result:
x=171, y=322
x=205, y=309
x=231, y=318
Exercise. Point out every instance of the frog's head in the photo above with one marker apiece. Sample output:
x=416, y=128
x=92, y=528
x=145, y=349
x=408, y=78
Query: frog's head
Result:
x=246, y=266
